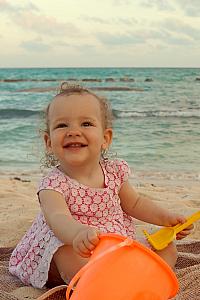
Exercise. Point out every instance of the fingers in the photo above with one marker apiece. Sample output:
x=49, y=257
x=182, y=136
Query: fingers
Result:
x=93, y=237
x=85, y=242
x=82, y=250
x=190, y=227
x=181, y=219
x=175, y=219
x=89, y=243
x=185, y=232
x=182, y=234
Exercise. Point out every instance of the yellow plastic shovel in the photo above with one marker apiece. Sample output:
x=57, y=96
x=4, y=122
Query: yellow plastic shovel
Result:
x=161, y=238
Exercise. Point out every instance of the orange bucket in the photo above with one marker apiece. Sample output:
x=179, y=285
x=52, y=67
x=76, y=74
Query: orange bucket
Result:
x=123, y=269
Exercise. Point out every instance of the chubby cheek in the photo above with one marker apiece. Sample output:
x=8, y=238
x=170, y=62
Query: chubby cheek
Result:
x=96, y=139
x=99, y=147
x=56, y=141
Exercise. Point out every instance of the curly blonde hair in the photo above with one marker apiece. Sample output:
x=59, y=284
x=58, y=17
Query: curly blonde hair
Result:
x=67, y=89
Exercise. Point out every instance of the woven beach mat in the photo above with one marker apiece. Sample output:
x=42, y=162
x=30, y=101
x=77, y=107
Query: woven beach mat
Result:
x=187, y=272
x=11, y=288
x=56, y=293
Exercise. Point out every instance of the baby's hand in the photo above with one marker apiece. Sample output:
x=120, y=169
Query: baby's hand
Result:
x=86, y=240
x=176, y=219
x=182, y=234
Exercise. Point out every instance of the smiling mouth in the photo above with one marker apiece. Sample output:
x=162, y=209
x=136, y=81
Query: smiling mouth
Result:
x=75, y=145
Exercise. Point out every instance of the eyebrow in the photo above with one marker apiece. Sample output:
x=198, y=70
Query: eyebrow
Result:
x=81, y=118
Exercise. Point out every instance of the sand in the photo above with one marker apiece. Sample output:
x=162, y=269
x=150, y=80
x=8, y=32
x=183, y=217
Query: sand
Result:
x=19, y=204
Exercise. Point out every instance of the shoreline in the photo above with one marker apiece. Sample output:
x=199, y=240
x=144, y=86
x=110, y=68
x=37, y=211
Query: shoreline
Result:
x=19, y=204
x=34, y=170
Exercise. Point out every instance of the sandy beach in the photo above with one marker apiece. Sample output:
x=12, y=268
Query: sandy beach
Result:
x=19, y=204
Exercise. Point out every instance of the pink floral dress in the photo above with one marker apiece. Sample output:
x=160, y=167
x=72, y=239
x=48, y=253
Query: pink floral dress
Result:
x=99, y=207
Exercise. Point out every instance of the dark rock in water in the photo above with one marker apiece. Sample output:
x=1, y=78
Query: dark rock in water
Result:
x=91, y=80
x=127, y=79
x=30, y=79
x=197, y=79
x=110, y=79
x=13, y=80
x=49, y=80
x=148, y=80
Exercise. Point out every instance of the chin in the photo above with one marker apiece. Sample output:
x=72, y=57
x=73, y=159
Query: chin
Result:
x=76, y=163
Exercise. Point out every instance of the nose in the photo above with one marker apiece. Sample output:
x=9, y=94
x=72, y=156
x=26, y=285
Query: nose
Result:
x=73, y=132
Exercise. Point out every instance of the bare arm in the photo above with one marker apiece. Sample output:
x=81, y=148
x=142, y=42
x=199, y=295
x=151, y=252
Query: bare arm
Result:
x=144, y=209
x=82, y=237
x=58, y=216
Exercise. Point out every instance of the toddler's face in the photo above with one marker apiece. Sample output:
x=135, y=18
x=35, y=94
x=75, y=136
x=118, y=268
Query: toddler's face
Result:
x=76, y=135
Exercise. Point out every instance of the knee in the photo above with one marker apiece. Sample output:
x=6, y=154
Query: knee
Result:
x=68, y=262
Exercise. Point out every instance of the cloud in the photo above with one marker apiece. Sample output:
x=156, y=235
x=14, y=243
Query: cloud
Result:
x=169, y=33
x=140, y=36
x=45, y=25
x=126, y=21
x=96, y=20
x=36, y=45
x=118, y=39
x=175, y=40
x=175, y=26
x=7, y=7
x=190, y=8
x=28, y=17
x=162, y=5
x=110, y=21
x=86, y=49
x=121, y=2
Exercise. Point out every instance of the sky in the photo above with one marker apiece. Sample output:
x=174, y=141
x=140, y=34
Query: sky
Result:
x=103, y=33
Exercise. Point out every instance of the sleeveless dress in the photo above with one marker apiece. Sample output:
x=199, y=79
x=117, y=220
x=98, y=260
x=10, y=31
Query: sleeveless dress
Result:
x=98, y=207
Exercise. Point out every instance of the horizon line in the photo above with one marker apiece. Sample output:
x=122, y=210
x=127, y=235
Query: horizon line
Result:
x=98, y=67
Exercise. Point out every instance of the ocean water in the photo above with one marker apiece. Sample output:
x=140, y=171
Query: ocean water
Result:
x=156, y=126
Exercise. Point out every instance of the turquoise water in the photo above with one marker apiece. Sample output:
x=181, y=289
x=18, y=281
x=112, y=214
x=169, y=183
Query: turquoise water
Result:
x=156, y=128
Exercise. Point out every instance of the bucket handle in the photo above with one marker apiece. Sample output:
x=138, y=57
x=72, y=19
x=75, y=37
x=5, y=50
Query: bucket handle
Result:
x=126, y=242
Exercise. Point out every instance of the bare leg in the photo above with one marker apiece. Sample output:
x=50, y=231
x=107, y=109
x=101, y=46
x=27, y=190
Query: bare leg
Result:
x=169, y=254
x=65, y=264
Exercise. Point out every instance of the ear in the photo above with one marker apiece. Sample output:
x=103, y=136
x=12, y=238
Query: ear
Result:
x=108, y=134
x=47, y=141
